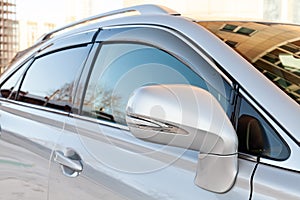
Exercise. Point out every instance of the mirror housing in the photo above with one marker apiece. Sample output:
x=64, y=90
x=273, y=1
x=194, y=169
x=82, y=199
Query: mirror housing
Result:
x=188, y=117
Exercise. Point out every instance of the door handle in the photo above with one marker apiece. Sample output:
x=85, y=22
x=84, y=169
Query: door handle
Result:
x=70, y=162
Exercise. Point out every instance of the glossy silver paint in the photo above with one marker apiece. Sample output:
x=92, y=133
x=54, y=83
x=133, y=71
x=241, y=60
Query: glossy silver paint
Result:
x=27, y=139
x=48, y=154
x=275, y=183
x=188, y=117
x=181, y=115
x=238, y=68
x=120, y=166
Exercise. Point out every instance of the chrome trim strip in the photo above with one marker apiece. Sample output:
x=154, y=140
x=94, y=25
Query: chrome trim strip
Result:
x=146, y=123
x=99, y=121
x=27, y=105
x=247, y=157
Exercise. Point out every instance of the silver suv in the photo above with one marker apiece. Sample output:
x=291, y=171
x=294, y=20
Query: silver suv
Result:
x=141, y=103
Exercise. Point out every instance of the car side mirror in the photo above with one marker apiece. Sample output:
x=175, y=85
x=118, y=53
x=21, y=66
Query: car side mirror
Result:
x=188, y=117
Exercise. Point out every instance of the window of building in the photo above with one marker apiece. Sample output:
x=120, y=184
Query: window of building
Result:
x=245, y=31
x=271, y=58
x=49, y=81
x=238, y=29
x=49, y=26
x=32, y=30
x=231, y=43
x=229, y=27
x=122, y=68
x=281, y=67
x=290, y=48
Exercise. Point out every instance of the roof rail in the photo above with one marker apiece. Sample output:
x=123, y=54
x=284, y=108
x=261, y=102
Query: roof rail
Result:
x=141, y=9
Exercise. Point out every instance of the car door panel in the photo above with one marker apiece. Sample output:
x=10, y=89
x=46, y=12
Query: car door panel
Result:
x=26, y=147
x=91, y=183
x=33, y=116
x=275, y=183
x=117, y=165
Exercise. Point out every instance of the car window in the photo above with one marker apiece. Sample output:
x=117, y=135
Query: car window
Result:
x=50, y=79
x=121, y=68
x=257, y=137
x=10, y=84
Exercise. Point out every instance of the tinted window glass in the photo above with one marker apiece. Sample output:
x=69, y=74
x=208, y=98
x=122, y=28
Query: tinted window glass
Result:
x=257, y=137
x=49, y=80
x=122, y=68
x=12, y=81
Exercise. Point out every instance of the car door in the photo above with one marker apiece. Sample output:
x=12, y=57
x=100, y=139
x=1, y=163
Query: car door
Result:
x=115, y=164
x=35, y=100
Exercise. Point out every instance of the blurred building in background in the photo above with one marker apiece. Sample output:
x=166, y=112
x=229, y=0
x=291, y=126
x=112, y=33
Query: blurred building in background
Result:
x=77, y=9
x=274, y=49
x=271, y=10
x=8, y=32
x=212, y=9
x=282, y=10
x=35, y=17
x=33, y=24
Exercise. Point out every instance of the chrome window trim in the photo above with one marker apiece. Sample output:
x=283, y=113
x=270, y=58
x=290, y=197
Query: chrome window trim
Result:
x=180, y=36
x=32, y=59
x=248, y=157
x=292, y=162
x=99, y=121
x=33, y=106
x=16, y=66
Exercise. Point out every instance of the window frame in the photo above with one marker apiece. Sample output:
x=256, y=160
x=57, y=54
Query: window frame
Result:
x=28, y=62
x=131, y=43
x=242, y=96
x=116, y=30
x=55, y=44
x=76, y=77
x=292, y=162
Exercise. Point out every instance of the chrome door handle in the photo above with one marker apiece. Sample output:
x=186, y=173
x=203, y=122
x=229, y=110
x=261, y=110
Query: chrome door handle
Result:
x=70, y=162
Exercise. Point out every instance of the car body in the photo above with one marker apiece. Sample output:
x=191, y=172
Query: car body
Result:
x=141, y=103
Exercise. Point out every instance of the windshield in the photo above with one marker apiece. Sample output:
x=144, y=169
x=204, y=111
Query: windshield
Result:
x=274, y=49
